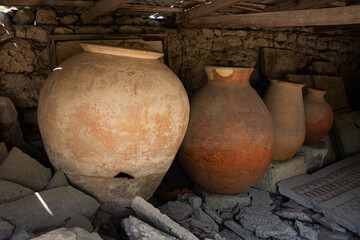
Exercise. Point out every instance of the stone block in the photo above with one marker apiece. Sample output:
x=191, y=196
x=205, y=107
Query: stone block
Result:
x=219, y=201
x=49, y=208
x=81, y=222
x=336, y=94
x=176, y=210
x=293, y=214
x=69, y=234
x=46, y=17
x=20, y=168
x=279, y=171
x=229, y=235
x=137, y=229
x=6, y=229
x=6, y=30
x=265, y=224
x=212, y=213
x=275, y=63
x=324, y=68
x=153, y=216
x=330, y=224
x=201, y=216
x=31, y=32
x=58, y=180
x=195, y=201
x=3, y=151
x=314, y=155
x=10, y=191
x=333, y=191
x=346, y=133
x=69, y=19
x=24, y=17
x=303, y=79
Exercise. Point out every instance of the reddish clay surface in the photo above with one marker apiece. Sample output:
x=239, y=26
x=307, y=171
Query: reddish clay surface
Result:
x=319, y=116
x=230, y=138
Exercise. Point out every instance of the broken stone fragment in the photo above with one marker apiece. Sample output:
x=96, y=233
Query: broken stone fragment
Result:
x=80, y=221
x=306, y=232
x=239, y=230
x=176, y=210
x=49, y=208
x=23, y=235
x=293, y=214
x=10, y=191
x=260, y=198
x=212, y=213
x=58, y=180
x=326, y=234
x=5, y=229
x=265, y=224
x=148, y=213
x=137, y=229
x=20, y=168
x=69, y=234
x=219, y=201
x=229, y=235
x=195, y=201
x=203, y=217
x=292, y=204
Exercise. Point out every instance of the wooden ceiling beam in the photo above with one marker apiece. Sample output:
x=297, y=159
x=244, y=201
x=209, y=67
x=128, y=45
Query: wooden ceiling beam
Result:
x=310, y=17
x=24, y=3
x=203, y=9
x=298, y=5
x=100, y=8
x=151, y=9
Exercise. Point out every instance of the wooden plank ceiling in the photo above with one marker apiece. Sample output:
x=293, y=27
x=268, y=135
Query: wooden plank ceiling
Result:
x=215, y=13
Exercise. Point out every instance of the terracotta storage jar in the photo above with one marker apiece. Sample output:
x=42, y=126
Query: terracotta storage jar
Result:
x=319, y=116
x=285, y=103
x=230, y=139
x=112, y=112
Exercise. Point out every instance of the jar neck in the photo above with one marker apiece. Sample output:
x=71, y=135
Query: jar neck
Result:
x=316, y=93
x=228, y=74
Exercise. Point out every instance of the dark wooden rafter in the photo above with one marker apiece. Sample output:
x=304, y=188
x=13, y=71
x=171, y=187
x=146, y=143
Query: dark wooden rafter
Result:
x=101, y=8
x=16, y=3
x=151, y=9
x=203, y=9
x=299, y=5
x=311, y=17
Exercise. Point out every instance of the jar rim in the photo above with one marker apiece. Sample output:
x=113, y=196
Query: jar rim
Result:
x=121, y=51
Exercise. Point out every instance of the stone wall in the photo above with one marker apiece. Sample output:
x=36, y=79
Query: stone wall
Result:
x=25, y=63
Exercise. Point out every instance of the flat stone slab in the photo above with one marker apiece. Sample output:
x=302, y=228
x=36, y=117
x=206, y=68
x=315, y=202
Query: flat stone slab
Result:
x=239, y=230
x=260, y=198
x=58, y=180
x=304, y=79
x=49, y=208
x=219, y=201
x=278, y=171
x=146, y=212
x=5, y=229
x=176, y=210
x=334, y=86
x=10, y=191
x=20, y=168
x=305, y=231
x=333, y=191
x=324, y=68
x=265, y=224
x=68, y=234
x=275, y=63
x=137, y=229
x=347, y=133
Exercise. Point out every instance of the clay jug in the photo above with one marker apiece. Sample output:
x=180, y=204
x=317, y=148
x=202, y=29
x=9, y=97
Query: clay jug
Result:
x=285, y=103
x=319, y=116
x=113, y=112
x=230, y=139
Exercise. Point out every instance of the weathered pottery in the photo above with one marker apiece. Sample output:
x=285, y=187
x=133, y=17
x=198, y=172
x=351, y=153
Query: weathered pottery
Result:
x=113, y=111
x=319, y=116
x=285, y=103
x=230, y=139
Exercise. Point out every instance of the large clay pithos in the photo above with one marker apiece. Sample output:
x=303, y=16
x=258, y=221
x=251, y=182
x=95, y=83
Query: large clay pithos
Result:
x=285, y=103
x=319, y=116
x=113, y=112
x=230, y=138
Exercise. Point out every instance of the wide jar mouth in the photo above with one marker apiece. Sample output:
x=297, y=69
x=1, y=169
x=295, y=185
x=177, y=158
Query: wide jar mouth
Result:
x=317, y=91
x=121, y=51
x=228, y=74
